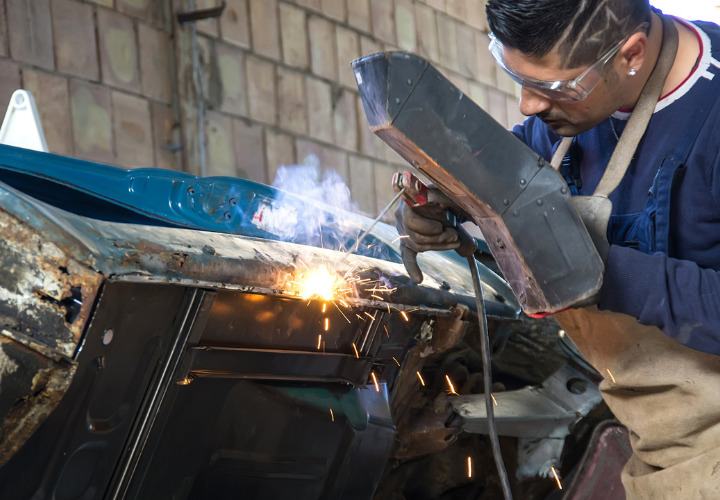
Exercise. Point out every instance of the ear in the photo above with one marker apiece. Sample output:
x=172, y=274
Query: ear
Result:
x=632, y=54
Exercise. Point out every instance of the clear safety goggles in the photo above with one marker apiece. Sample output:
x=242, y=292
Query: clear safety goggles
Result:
x=576, y=89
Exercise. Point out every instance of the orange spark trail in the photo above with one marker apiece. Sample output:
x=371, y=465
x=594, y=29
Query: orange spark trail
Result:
x=452, y=388
x=557, y=479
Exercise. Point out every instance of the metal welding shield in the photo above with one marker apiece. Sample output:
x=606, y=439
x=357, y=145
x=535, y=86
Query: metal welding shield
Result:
x=520, y=203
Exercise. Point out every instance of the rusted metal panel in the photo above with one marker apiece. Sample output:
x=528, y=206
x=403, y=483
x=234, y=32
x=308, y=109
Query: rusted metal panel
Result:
x=46, y=298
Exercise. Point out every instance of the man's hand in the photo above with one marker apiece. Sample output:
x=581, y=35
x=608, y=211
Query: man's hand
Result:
x=427, y=228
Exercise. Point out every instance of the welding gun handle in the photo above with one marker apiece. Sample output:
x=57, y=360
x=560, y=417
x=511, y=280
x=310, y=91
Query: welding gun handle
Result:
x=467, y=244
x=448, y=218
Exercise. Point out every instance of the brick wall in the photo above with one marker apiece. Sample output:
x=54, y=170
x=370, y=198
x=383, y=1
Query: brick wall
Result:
x=114, y=80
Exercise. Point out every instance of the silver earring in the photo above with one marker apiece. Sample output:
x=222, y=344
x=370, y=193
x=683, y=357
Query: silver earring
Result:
x=632, y=72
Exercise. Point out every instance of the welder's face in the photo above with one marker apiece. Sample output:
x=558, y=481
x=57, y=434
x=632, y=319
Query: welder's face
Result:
x=564, y=117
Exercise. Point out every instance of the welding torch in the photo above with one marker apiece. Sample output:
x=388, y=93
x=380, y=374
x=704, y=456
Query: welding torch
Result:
x=433, y=204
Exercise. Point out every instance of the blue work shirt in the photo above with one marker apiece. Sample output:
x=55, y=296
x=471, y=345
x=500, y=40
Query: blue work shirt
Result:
x=664, y=262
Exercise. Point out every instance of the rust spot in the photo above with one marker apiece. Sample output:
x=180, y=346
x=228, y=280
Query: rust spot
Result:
x=38, y=385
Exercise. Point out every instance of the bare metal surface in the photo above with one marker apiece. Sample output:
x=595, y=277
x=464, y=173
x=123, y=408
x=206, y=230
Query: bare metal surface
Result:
x=536, y=412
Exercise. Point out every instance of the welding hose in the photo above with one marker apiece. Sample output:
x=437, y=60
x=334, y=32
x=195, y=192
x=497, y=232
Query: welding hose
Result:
x=487, y=378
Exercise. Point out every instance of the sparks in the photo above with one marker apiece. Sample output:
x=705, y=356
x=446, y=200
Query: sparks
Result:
x=422, y=382
x=450, y=384
x=319, y=341
x=401, y=237
x=493, y=398
x=332, y=415
x=396, y=361
x=343, y=314
x=319, y=282
x=404, y=315
x=557, y=479
x=357, y=354
x=611, y=376
x=376, y=297
x=327, y=324
x=386, y=331
x=375, y=381
x=370, y=316
x=324, y=307
x=469, y=463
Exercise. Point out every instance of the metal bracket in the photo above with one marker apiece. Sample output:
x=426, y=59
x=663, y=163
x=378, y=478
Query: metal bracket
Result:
x=199, y=15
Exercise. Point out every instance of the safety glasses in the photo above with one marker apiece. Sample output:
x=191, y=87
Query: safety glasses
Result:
x=576, y=89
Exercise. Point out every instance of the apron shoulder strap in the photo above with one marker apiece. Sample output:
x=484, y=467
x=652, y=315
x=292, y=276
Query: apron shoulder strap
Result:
x=640, y=118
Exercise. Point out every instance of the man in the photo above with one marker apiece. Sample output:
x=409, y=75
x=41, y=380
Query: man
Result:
x=655, y=331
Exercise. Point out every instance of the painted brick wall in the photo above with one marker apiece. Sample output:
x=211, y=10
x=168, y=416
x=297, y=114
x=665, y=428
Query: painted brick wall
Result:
x=114, y=81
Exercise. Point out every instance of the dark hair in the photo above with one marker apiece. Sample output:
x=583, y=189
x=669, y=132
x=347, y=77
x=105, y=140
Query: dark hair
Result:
x=581, y=30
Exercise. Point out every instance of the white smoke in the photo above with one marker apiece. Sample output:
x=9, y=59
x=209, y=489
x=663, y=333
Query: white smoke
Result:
x=309, y=181
x=308, y=207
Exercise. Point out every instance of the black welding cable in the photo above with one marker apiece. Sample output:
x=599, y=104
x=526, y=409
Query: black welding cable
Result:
x=487, y=378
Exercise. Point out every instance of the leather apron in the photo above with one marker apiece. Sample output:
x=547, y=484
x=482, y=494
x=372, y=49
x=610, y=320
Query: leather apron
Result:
x=668, y=395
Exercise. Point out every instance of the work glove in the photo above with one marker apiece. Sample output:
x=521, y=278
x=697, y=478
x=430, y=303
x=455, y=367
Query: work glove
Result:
x=427, y=227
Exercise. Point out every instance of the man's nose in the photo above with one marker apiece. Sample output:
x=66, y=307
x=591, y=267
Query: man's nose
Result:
x=532, y=103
